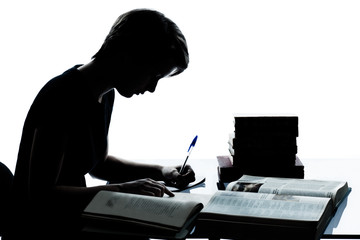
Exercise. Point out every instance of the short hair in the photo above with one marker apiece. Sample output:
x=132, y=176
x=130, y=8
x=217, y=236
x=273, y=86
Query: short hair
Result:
x=147, y=33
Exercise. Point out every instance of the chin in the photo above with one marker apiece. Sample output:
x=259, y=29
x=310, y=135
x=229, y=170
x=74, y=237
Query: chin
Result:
x=129, y=95
x=125, y=94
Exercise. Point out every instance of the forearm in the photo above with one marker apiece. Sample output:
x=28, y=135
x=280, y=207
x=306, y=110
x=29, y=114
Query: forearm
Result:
x=77, y=197
x=119, y=170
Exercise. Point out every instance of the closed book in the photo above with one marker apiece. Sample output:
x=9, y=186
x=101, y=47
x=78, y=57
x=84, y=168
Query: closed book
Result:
x=269, y=125
x=228, y=172
x=273, y=120
x=263, y=150
x=263, y=141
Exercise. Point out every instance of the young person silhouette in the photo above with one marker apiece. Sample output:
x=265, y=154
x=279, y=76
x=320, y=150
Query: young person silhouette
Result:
x=65, y=132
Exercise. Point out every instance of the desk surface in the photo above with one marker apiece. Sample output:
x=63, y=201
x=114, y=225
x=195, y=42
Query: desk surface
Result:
x=345, y=223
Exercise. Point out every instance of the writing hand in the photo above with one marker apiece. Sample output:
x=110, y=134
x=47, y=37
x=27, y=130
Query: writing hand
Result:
x=174, y=178
x=146, y=186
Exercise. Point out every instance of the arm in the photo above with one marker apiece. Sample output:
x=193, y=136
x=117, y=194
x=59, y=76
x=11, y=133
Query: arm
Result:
x=47, y=156
x=46, y=159
x=120, y=170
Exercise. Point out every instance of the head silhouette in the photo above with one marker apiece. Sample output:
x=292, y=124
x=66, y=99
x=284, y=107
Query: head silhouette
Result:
x=148, y=36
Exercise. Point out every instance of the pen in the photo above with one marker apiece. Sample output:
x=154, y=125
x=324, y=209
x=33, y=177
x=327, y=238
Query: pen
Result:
x=192, y=145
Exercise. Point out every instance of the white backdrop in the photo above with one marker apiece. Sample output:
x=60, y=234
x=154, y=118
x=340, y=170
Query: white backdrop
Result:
x=299, y=57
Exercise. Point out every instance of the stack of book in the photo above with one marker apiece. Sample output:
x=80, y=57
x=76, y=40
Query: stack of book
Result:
x=263, y=145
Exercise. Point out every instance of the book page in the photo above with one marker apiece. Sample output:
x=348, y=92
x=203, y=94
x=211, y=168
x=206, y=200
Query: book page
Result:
x=165, y=211
x=266, y=206
x=202, y=198
x=285, y=186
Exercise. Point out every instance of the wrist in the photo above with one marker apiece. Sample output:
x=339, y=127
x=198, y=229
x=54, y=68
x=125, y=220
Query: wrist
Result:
x=160, y=173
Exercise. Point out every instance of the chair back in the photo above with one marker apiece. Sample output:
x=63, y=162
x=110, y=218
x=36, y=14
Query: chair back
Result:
x=6, y=180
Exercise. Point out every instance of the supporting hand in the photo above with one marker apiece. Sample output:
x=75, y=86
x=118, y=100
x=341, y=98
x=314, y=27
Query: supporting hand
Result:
x=145, y=186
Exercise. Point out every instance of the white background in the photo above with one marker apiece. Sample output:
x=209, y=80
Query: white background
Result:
x=299, y=57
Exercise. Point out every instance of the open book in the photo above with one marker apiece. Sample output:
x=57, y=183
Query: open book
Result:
x=334, y=190
x=279, y=208
x=117, y=213
x=251, y=208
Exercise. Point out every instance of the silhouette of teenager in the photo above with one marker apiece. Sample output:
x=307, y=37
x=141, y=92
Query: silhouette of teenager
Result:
x=65, y=132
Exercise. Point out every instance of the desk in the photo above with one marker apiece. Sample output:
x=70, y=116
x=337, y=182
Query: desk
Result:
x=344, y=225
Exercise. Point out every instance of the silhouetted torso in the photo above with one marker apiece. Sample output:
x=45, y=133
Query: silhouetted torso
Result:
x=65, y=107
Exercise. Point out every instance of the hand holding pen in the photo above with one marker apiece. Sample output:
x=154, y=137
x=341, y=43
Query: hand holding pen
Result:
x=182, y=175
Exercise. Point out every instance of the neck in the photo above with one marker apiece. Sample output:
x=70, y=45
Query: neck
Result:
x=98, y=83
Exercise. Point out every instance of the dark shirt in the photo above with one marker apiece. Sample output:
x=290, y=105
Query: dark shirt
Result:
x=65, y=108
x=65, y=105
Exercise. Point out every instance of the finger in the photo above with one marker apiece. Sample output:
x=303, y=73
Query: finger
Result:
x=163, y=189
x=155, y=189
x=151, y=190
x=147, y=193
x=188, y=169
x=181, y=183
x=186, y=178
x=189, y=175
x=169, y=193
x=158, y=189
x=174, y=173
x=156, y=193
x=184, y=181
x=180, y=180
